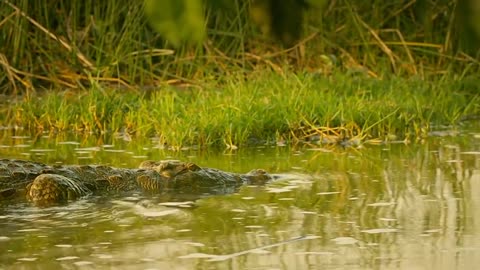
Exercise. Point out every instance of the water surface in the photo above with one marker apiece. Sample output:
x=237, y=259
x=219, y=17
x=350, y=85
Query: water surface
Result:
x=389, y=206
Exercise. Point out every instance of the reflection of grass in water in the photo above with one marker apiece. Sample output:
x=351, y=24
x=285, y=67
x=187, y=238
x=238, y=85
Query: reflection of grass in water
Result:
x=339, y=109
x=403, y=192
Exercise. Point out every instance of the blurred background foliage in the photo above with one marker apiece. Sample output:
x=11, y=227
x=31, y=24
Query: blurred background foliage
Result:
x=135, y=44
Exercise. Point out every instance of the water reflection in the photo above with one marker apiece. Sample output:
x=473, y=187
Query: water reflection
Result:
x=386, y=207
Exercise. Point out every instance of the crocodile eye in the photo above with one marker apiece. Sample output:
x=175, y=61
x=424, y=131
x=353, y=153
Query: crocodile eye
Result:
x=162, y=166
x=261, y=171
x=257, y=172
x=147, y=164
x=167, y=173
x=192, y=166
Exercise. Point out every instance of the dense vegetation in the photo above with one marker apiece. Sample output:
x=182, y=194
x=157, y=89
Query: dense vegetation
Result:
x=346, y=109
x=72, y=43
x=370, y=69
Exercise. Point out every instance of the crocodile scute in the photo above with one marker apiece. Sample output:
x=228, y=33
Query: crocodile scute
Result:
x=48, y=189
x=46, y=185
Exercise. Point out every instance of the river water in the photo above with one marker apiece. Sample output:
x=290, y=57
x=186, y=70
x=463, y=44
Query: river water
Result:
x=391, y=206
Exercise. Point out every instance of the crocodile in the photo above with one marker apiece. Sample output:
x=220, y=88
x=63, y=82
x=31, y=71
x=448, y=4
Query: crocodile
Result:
x=46, y=185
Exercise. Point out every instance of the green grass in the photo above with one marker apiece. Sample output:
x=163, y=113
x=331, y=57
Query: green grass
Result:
x=261, y=109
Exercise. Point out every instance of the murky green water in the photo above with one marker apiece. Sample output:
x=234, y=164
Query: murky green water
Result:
x=380, y=207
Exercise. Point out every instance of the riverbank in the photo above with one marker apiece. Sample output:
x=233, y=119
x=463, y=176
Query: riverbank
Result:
x=262, y=109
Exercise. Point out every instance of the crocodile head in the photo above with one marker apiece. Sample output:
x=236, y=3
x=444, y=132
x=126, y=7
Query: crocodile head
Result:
x=169, y=168
x=258, y=176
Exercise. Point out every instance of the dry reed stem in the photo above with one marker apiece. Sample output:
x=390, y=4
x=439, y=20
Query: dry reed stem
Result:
x=352, y=63
x=7, y=18
x=10, y=75
x=269, y=63
x=405, y=46
x=398, y=12
x=28, y=85
x=381, y=44
x=298, y=45
x=83, y=59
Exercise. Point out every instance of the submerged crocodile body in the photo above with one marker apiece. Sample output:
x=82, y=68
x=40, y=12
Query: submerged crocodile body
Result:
x=47, y=185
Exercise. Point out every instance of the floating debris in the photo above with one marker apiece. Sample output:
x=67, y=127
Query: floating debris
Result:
x=27, y=259
x=377, y=204
x=80, y=263
x=64, y=246
x=328, y=193
x=345, y=240
x=381, y=230
x=67, y=258
x=213, y=257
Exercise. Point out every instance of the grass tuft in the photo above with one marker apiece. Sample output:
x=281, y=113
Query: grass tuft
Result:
x=267, y=109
